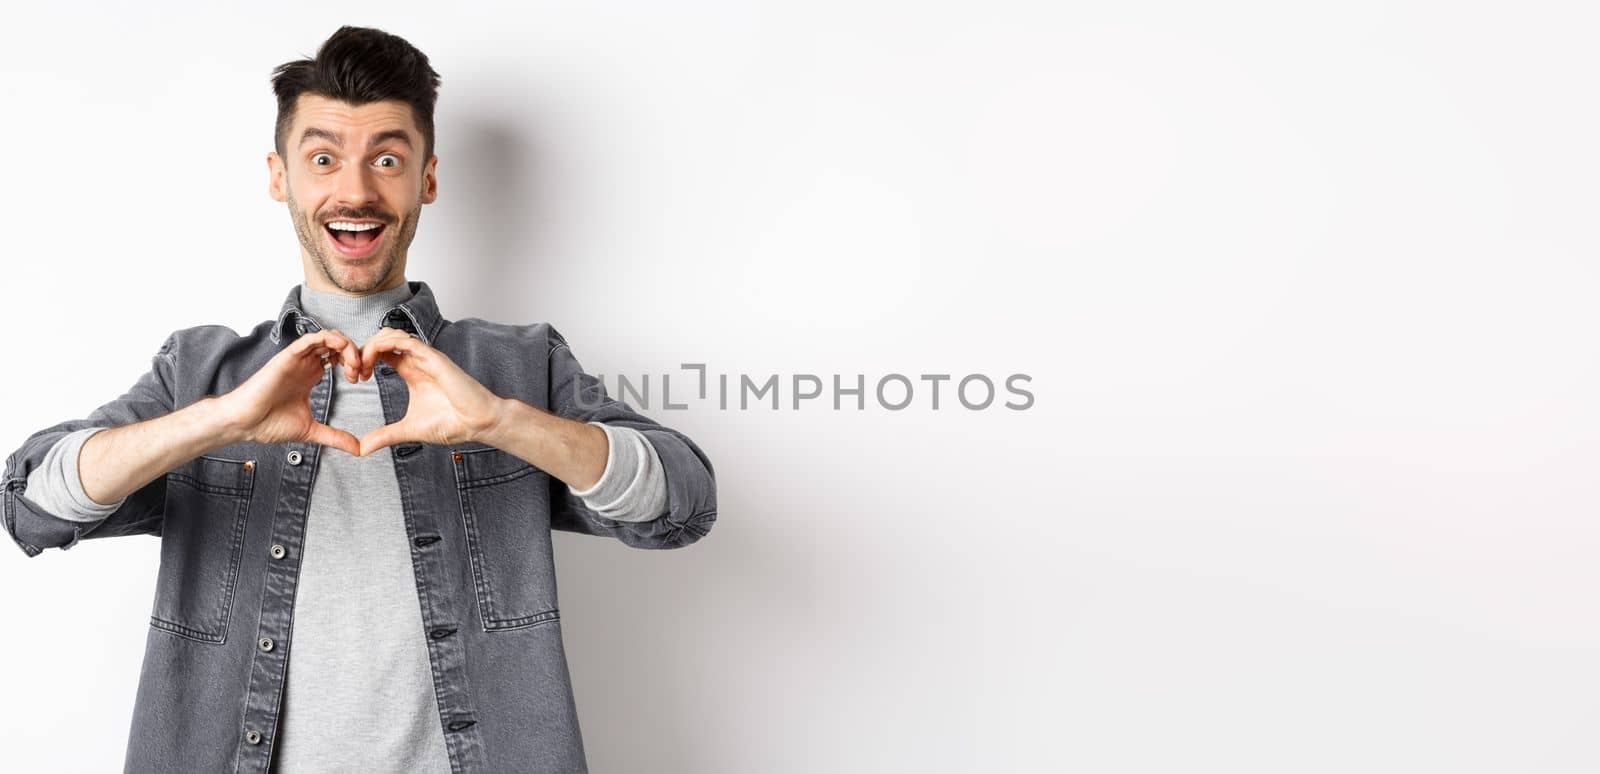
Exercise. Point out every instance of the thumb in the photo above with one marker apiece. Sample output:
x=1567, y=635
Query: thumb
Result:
x=342, y=440
x=383, y=436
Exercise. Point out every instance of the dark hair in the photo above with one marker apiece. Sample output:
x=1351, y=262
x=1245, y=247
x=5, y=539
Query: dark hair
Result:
x=360, y=65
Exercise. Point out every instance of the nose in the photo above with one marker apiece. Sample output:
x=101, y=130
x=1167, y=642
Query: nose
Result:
x=355, y=188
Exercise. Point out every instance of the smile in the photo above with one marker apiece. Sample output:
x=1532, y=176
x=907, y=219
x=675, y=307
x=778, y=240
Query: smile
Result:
x=355, y=238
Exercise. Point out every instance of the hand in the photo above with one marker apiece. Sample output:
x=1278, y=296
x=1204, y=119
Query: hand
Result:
x=446, y=405
x=274, y=406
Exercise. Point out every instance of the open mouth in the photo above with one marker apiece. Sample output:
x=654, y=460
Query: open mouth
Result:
x=355, y=238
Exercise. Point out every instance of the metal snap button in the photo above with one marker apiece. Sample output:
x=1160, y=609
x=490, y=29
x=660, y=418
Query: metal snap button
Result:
x=278, y=551
x=293, y=456
x=265, y=644
x=252, y=736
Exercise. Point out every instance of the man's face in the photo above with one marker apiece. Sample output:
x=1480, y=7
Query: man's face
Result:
x=345, y=170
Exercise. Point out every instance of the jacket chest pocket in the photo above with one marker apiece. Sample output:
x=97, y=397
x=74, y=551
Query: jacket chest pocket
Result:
x=505, y=513
x=202, y=537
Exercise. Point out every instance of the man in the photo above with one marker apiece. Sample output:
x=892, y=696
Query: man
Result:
x=355, y=498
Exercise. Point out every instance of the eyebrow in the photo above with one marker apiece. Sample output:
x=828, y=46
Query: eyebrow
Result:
x=377, y=139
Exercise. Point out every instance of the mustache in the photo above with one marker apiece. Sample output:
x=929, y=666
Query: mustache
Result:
x=359, y=215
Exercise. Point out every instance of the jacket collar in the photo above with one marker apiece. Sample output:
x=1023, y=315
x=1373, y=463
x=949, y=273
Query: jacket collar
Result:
x=418, y=314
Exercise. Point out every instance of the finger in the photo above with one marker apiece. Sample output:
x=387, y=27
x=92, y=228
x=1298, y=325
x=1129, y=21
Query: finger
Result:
x=333, y=437
x=384, y=435
x=312, y=360
x=328, y=357
x=386, y=340
x=352, y=361
x=323, y=338
x=312, y=348
x=369, y=356
x=345, y=350
x=397, y=350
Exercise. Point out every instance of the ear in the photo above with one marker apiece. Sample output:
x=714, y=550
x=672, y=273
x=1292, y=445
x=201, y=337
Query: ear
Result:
x=430, y=182
x=276, y=184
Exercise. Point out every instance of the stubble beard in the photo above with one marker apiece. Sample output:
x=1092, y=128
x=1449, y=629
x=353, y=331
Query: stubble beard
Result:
x=354, y=282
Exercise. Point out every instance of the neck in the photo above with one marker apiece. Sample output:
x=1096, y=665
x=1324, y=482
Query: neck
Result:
x=357, y=317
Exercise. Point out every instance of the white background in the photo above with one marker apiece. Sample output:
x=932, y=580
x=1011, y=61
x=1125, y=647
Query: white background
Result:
x=1307, y=295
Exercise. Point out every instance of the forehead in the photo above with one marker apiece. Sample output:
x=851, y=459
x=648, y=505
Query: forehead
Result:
x=351, y=121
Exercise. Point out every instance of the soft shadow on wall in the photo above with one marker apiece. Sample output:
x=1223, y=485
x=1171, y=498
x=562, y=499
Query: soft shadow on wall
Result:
x=490, y=194
x=651, y=636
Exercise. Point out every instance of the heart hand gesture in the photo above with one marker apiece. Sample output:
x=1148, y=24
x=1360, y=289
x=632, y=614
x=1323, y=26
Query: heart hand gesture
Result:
x=446, y=405
x=272, y=406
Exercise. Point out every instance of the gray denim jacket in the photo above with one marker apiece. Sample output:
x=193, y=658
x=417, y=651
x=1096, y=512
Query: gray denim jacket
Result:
x=232, y=521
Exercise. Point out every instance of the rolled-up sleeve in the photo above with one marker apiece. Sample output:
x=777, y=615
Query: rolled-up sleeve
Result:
x=686, y=472
x=632, y=488
x=56, y=486
x=34, y=520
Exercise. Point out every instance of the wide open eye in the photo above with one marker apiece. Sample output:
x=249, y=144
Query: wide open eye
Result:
x=391, y=156
x=316, y=156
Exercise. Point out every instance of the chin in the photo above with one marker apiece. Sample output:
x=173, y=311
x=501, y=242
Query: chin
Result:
x=363, y=275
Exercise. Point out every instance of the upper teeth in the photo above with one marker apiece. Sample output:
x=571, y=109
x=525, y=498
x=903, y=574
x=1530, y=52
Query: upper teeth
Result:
x=347, y=226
